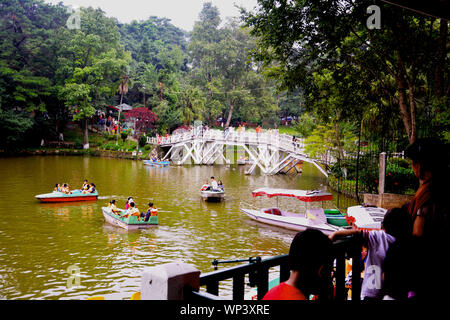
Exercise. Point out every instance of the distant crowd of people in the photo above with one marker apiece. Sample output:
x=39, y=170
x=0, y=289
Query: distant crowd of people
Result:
x=405, y=259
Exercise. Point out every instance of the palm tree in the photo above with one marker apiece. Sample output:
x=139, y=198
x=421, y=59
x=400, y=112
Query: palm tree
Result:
x=123, y=90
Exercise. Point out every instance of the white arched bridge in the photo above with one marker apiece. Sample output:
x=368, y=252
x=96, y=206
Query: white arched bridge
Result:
x=270, y=151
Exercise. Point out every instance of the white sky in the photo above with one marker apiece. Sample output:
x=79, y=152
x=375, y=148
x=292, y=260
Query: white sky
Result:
x=182, y=13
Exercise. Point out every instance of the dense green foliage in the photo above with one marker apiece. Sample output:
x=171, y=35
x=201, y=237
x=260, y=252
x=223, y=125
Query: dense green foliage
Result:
x=54, y=75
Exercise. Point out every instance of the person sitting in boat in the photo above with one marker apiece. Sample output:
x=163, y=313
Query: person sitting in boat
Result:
x=132, y=211
x=151, y=212
x=90, y=190
x=214, y=185
x=206, y=186
x=85, y=186
x=127, y=204
x=112, y=207
x=66, y=189
x=58, y=187
x=220, y=185
x=310, y=259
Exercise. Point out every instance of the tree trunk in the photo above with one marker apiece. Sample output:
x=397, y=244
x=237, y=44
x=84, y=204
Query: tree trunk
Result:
x=118, y=119
x=85, y=134
x=412, y=106
x=405, y=112
x=230, y=113
x=440, y=63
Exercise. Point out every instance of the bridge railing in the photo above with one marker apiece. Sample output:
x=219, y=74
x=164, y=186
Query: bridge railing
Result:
x=281, y=141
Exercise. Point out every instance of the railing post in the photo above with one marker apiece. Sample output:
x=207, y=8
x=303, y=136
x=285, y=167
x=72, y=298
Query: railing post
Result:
x=382, y=173
x=262, y=281
x=238, y=287
x=340, y=275
x=355, y=252
x=168, y=281
x=213, y=287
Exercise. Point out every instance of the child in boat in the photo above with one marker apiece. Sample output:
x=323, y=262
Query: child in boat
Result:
x=91, y=189
x=132, y=211
x=112, y=207
x=85, y=186
x=127, y=204
x=206, y=186
x=57, y=187
x=151, y=212
x=66, y=189
x=220, y=185
x=395, y=227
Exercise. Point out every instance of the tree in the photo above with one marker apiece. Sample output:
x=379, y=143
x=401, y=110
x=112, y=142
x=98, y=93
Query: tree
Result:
x=97, y=60
x=13, y=126
x=405, y=59
x=145, y=119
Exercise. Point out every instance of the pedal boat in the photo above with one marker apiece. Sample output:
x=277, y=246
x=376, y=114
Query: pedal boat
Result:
x=156, y=163
x=130, y=223
x=212, y=195
x=76, y=195
x=325, y=220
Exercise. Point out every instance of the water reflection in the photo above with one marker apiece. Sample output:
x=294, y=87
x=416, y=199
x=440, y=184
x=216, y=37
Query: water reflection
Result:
x=39, y=242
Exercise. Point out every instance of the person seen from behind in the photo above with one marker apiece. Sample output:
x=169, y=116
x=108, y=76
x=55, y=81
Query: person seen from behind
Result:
x=395, y=226
x=310, y=257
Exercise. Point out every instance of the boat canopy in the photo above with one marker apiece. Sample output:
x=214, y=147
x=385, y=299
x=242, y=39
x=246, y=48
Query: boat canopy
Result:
x=302, y=195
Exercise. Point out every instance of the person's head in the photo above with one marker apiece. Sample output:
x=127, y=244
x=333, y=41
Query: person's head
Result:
x=311, y=254
x=212, y=178
x=65, y=185
x=92, y=185
x=132, y=204
x=150, y=204
x=219, y=182
x=57, y=185
x=427, y=156
x=85, y=181
x=397, y=223
x=113, y=201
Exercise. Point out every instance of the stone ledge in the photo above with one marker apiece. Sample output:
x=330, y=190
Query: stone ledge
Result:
x=387, y=200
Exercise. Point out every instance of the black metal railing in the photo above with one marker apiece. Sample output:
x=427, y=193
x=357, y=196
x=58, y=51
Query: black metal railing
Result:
x=258, y=275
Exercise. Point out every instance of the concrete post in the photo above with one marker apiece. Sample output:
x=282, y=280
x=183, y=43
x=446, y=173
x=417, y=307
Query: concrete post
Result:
x=381, y=178
x=167, y=281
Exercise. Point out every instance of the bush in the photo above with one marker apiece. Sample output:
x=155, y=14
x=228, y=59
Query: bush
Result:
x=399, y=179
x=142, y=140
x=124, y=135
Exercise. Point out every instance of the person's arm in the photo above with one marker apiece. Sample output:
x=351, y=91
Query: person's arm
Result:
x=419, y=223
x=344, y=233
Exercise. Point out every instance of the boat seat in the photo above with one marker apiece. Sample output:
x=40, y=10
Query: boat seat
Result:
x=274, y=211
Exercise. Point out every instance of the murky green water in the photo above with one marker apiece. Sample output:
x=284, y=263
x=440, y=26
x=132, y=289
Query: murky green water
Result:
x=40, y=243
